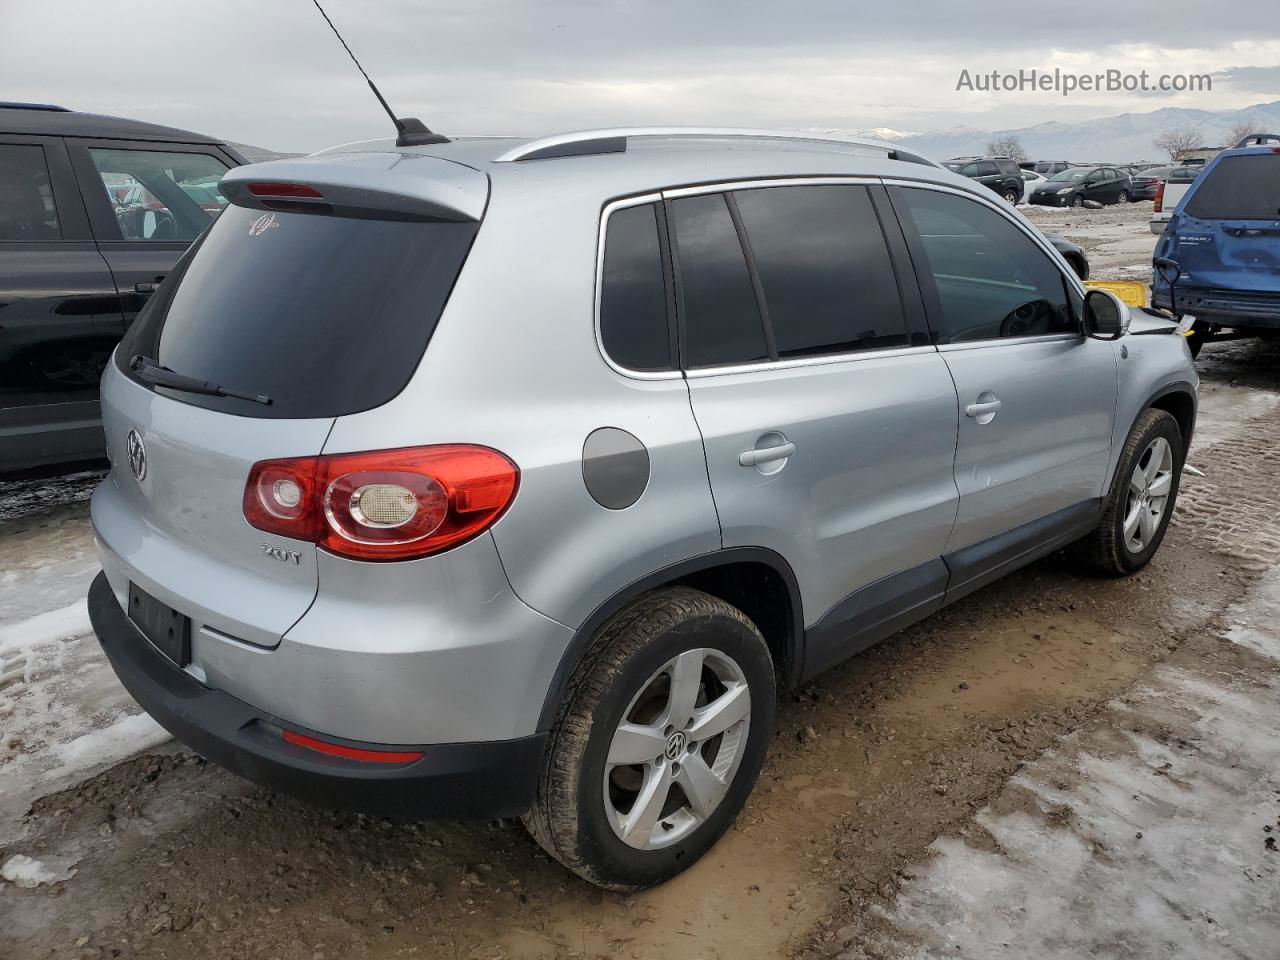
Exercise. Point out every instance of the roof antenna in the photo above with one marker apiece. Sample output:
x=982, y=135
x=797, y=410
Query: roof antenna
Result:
x=411, y=132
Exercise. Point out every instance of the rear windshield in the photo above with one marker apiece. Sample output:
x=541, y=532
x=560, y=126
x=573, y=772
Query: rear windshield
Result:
x=325, y=315
x=1239, y=188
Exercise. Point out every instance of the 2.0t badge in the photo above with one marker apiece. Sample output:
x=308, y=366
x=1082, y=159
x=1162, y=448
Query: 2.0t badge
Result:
x=137, y=455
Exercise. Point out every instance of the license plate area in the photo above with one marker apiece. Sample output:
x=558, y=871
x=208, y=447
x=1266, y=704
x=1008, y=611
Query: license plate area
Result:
x=168, y=630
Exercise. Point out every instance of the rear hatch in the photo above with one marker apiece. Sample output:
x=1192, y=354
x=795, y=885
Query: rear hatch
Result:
x=306, y=310
x=1227, y=234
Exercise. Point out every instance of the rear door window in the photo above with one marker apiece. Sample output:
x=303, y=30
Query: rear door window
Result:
x=27, y=211
x=160, y=195
x=1245, y=187
x=633, y=293
x=824, y=268
x=327, y=316
x=722, y=322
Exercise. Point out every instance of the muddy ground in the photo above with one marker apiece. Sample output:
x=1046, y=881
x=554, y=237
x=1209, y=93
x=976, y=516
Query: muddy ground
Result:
x=909, y=743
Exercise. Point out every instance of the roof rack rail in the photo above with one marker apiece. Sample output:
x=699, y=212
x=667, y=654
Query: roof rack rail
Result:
x=51, y=107
x=1258, y=139
x=614, y=140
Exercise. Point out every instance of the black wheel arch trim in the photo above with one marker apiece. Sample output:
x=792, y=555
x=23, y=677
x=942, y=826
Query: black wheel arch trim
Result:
x=792, y=652
x=1178, y=386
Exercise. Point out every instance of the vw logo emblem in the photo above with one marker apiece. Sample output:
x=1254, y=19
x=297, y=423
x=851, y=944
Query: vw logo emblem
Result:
x=675, y=745
x=137, y=455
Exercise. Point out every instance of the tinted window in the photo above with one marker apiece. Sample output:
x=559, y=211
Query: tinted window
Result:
x=161, y=196
x=27, y=212
x=987, y=169
x=633, y=293
x=828, y=283
x=1008, y=167
x=992, y=279
x=325, y=315
x=722, y=322
x=1239, y=188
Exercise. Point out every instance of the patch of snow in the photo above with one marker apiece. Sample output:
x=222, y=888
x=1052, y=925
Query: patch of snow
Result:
x=24, y=871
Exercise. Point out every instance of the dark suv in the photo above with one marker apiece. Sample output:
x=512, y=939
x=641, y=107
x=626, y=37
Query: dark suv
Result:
x=94, y=211
x=1001, y=174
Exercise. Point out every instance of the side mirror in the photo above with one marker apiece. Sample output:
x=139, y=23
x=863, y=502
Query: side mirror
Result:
x=1105, y=316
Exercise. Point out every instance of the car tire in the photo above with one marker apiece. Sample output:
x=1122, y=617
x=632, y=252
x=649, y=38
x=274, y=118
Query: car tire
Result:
x=1151, y=460
x=637, y=674
x=1077, y=201
x=1011, y=197
x=1123, y=197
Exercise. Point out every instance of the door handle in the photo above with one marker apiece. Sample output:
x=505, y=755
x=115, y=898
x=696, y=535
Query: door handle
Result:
x=752, y=458
x=147, y=286
x=982, y=409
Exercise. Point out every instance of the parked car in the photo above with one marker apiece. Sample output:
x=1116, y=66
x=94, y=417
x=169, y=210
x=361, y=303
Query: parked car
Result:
x=1146, y=182
x=1072, y=187
x=1169, y=193
x=999, y=174
x=1047, y=168
x=1224, y=236
x=1073, y=253
x=93, y=213
x=1030, y=181
x=634, y=464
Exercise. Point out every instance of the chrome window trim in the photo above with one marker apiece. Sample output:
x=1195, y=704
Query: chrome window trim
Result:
x=1009, y=341
x=608, y=210
x=822, y=360
x=760, y=184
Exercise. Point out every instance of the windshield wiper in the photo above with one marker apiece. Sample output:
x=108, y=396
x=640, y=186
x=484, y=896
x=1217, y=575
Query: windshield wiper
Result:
x=147, y=369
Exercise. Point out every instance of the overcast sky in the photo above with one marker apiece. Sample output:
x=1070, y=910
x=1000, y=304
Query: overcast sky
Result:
x=269, y=72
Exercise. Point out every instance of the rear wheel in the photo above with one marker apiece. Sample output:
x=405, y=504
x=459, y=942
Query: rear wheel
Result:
x=661, y=738
x=1011, y=196
x=1143, y=493
x=1123, y=198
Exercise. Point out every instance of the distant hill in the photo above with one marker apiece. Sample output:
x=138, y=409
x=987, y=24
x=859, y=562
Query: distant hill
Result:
x=1119, y=139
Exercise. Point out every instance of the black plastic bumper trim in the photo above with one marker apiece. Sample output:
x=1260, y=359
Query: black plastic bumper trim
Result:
x=492, y=779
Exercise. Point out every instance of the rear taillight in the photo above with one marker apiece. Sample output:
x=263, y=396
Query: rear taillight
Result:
x=383, y=505
x=1158, y=204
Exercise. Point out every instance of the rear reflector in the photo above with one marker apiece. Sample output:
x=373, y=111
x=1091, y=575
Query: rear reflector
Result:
x=284, y=190
x=351, y=753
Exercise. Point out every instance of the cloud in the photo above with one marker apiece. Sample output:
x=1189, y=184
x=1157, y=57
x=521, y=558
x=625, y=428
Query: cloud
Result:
x=1264, y=80
x=270, y=72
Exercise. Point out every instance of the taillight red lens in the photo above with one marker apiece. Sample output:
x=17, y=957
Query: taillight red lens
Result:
x=386, y=504
x=284, y=190
x=1159, y=199
x=351, y=753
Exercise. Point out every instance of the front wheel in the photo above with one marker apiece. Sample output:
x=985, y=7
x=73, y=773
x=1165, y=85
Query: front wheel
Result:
x=1077, y=201
x=660, y=740
x=1136, y=513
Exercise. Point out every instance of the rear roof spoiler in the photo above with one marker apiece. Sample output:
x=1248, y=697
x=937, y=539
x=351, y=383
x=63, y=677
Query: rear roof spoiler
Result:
x=390, y=186
x=1259, y=139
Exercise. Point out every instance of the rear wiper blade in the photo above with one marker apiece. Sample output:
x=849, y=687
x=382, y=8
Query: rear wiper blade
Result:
x=150, y=371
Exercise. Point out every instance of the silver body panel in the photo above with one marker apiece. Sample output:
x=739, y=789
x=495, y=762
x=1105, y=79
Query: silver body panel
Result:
x=464, y=646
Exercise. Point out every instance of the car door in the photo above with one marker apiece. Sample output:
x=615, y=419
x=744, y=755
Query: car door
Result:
x=988, y=174
x=828, y=420
x=147, y=202
x=59, y=314
x=1037, y=398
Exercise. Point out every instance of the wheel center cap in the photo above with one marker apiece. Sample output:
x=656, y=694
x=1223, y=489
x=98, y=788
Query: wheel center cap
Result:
x=675, y=745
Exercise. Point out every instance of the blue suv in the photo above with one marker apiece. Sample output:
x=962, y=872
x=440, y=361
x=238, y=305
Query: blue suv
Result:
x=1224, y=237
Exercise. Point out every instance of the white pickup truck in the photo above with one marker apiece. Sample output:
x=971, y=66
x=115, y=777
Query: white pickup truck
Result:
x=1170, y=192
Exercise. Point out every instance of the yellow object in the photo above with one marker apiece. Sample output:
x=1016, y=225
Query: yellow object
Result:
x=1134, y=294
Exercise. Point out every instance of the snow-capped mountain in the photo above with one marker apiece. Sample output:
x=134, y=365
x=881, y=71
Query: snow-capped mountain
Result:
x=1126, y=137
x=874, y=133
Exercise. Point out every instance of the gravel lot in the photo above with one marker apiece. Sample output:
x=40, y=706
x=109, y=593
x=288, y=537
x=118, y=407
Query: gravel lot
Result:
x=1057, y=766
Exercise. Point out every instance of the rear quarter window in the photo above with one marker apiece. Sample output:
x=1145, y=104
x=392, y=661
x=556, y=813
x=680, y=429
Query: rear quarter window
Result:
x=634, y=327
x=1245, y=187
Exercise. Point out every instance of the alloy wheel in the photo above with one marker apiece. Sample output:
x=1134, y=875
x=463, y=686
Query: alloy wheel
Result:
x=1148, y=495
x=676, y=749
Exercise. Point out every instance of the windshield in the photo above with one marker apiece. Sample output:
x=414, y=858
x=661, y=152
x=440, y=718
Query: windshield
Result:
x=1075, y=173
x=326, y=315
x=1245, y=187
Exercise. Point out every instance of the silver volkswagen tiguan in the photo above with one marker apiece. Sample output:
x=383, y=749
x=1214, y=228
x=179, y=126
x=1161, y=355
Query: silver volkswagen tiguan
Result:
x=516, y=478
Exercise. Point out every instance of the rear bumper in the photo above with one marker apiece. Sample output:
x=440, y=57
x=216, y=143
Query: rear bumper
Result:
x=1226, y=308
x=492, y=779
